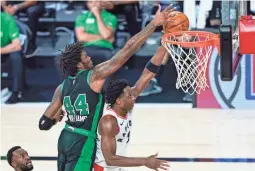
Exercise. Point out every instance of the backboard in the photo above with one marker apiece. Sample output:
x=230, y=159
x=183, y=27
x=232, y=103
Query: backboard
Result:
x=232, y=36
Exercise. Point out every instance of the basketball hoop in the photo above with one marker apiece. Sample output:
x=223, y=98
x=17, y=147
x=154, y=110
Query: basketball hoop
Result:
x=190, y=51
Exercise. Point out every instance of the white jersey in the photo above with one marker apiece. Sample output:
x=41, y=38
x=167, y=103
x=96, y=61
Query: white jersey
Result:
x=122, y=139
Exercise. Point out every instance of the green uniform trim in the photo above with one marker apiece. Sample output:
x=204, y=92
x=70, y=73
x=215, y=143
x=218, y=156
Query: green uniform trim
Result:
x=80, y=131
x=88, y=77
x=97, y=112
x=88, y=129
x=78, y=73
x=85, y=160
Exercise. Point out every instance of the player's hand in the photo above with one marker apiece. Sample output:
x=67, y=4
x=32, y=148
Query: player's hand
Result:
x=153, y=163
x=96, y=8
x=162, y=16
x=62, y=115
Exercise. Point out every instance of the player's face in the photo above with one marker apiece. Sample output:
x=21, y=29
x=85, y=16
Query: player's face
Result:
x=127, y=99
x=21, y=160
x=86, y=61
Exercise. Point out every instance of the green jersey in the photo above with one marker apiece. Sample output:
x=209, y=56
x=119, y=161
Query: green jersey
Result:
x=89, y=23
x=9, y=29
x=84, y=107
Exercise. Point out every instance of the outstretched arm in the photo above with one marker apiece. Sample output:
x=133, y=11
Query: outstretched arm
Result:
x=103, y=70
x=48, y=118
x=147, y=75
x=108, y=128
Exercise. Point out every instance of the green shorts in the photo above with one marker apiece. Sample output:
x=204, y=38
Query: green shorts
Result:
x=76, y=151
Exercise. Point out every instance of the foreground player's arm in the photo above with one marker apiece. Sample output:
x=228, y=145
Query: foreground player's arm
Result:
x=47, y=120
x=108, y=128
x=103, y=70
x=149, y=71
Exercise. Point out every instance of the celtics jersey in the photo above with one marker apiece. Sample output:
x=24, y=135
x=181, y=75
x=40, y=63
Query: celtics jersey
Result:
x=83, y=106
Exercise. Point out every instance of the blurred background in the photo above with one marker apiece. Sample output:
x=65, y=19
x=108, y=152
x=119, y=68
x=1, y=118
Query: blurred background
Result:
x=46, y=27
x=189, y=137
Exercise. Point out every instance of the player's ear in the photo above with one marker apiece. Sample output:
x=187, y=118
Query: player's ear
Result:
x=13, y=163
x=118, y=101
x=79, y=65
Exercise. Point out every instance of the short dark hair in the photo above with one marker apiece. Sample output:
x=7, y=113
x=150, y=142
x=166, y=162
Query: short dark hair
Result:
x=9, y=154
x=69, y=58
x=114, y=90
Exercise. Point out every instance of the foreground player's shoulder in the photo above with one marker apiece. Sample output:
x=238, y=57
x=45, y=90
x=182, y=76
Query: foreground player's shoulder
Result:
x=108, y=125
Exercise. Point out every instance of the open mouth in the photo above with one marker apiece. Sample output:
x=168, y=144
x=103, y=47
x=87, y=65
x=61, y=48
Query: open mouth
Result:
x=29, y=162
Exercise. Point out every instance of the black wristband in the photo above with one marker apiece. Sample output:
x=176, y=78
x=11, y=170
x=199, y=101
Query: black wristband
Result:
x=46, y=123
x=54, y=121
x=152, y=67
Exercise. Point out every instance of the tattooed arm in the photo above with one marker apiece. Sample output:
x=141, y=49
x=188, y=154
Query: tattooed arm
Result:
x=49, y=117
x=55, y=104
x=103, y=70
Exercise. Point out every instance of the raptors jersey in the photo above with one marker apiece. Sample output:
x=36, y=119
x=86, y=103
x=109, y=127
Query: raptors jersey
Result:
x=122, y=141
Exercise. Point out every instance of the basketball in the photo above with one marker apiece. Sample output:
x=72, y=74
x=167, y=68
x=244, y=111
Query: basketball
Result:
x=178, y=21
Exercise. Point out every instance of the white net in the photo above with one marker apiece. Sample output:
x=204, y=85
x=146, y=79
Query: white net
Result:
x=191, y=62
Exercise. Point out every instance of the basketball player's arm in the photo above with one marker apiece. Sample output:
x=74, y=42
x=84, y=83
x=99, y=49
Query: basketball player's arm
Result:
x=48, y=119
x=148, y=72
x=108, y=128
x=103, y=70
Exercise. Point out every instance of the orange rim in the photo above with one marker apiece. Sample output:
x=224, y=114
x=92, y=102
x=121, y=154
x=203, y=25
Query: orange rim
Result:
x=212, y=39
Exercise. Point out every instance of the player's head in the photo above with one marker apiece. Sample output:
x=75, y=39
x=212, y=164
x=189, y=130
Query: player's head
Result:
x=18, y=158
x=73, y=59
x=118, y=93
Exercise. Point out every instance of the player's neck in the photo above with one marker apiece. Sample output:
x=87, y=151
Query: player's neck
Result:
x=120, y=111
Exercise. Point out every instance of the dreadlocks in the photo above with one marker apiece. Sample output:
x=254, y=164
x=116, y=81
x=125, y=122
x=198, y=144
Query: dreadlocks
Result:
x=114, y=90
x=69, y=58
